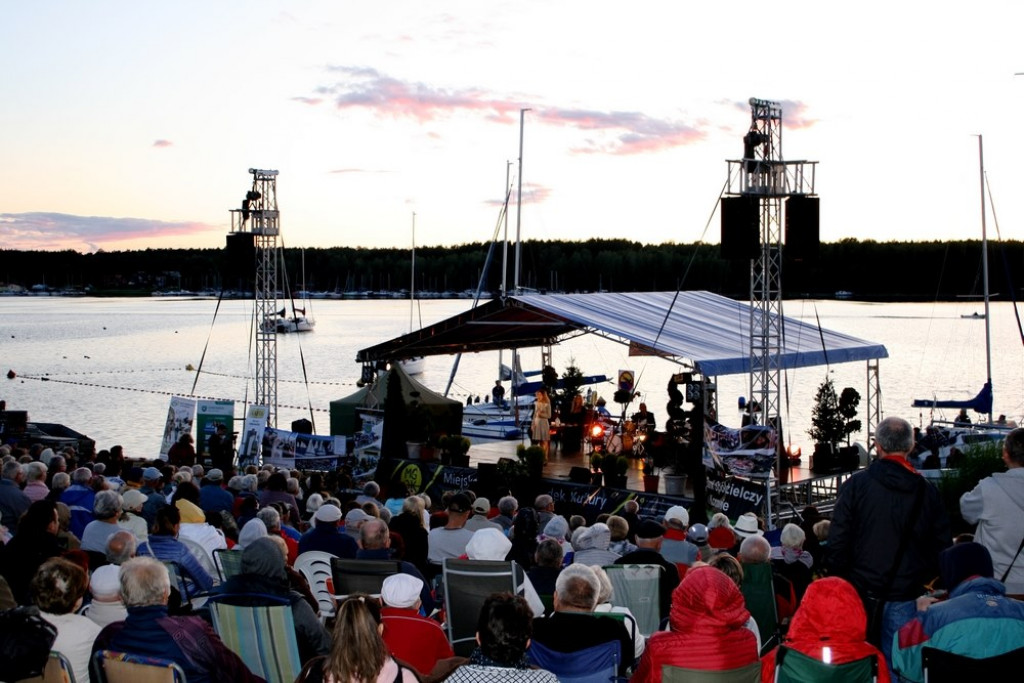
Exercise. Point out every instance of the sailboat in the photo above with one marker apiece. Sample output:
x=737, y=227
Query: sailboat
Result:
x=298, y=321
x=943, y=436
x=414, y=365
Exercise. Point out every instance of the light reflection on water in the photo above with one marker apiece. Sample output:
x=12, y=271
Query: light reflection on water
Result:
x=114, y=363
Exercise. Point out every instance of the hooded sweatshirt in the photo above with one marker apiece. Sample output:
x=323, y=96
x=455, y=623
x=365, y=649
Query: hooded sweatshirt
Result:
x=707, y=629
x=996, y=505
x=831, y=615
x=592, y=548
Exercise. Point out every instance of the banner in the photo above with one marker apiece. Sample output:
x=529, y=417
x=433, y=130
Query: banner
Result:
x=252, y=435
x=180, y=416
x=208, y=415
x=293, y=450
x=734, y=495
x=749, y=451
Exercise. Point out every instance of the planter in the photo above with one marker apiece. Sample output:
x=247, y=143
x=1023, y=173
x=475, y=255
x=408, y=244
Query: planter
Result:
x=617, y=481
x=651, y=482
x=675, y=484
x=597, y=478
x=428, y=453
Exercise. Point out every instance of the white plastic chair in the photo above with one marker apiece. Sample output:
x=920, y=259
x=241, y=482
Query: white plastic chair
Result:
x=315, y=565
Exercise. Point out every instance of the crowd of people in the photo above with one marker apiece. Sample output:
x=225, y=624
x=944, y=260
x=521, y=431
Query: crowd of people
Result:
x=89, y=540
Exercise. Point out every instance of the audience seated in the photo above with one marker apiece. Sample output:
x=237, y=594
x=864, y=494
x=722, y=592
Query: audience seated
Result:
x=792, y=561
x=106, y=605
x=830, y=625
x=977, y=620
x=450, y=540
x=649, y=537
x=573, y=625
x=79, y=497
x=13, y=501
x=150, y=631
x=58, y=589
x=706, y=622
x=491, y=544
x=620, y=535
x=375, y=544
x=325, y=535
x=106, y=510
x=34, y=543
x=166, y=547
x=592, y=548
x=410, y=637
x=548, y=564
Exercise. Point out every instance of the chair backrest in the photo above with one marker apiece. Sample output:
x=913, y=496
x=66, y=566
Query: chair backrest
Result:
x=467, y=584
x=361, y=576
x=228, y=562
x=263, y=636
x=597, y=664
x=201, y=555
x=751, y=673
x=793, y=666
x=122, y=667
x=627, y=620
x=940, y=666
x=58, y=670
x=759, y=595
x=315, y=565
x=638, y=587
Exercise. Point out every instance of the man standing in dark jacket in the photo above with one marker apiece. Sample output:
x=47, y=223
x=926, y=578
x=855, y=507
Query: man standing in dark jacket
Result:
x=880, y=509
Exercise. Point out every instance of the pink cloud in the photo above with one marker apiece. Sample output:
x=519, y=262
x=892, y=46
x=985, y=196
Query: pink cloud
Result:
x=57, y=230
x=614, y=132
x=532, y=194
x=163, y=143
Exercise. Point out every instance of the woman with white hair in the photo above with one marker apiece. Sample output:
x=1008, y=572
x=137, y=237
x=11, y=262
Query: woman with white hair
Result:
x=792, y=561
x=57, y=589
x=106, y=510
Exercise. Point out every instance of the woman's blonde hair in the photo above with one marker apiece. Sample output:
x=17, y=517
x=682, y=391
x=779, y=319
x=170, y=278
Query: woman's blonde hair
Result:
x=357, y=652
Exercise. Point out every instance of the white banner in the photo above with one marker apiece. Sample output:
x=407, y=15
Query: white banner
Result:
x=252, y=435
x=180, y=416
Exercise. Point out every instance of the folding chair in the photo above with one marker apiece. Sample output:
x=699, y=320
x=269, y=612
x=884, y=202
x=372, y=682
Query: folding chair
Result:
x=190, y=593
x=58, y=670
x=262, y=635
x=940, y=666
x=316, y=567
x=597, y=664
x=751, y=673
x=792, y=666
x=759, y=595
x=467, y=584
x=638, y=587
x=122, y=667
x=202, y=556
x=228, y=562
x=361, y=576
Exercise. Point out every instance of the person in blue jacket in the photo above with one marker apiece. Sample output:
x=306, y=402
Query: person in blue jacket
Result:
x=977, y=620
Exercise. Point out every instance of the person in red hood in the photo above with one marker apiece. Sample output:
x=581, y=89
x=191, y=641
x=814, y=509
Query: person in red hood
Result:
x=707, y=621
x=831, y=615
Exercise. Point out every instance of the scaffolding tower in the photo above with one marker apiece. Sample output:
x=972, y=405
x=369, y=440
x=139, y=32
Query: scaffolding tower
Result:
x=259, y=218
x=764, y=177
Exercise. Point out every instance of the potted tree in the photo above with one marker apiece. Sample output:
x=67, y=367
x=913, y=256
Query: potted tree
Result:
x=533, y=457
x=616, y=470
x=833, y=419
x=454, y=450
x=596, y=467
x=651, y=477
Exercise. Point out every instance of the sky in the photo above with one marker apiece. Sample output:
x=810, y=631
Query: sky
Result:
x=131, y=125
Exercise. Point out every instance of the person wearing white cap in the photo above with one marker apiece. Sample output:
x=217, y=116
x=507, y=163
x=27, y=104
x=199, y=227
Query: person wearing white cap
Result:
x=326, y=536
x=747, y=525
x=675, y=547
x=478, y=520
x=106, y=606
x=354, y=520
x=492, y=544
x=414, y=639
x=131, y=514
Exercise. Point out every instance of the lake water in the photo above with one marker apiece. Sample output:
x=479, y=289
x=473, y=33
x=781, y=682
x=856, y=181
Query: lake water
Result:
x=113, y=364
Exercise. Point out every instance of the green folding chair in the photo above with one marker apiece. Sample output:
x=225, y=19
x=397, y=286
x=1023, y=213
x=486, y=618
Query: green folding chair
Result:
x=751, y=673
x=228, y=563
x=638, y=587
x=263, y=636
x=792, y=666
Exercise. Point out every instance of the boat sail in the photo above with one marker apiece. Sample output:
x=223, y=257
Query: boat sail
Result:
x=414, y=365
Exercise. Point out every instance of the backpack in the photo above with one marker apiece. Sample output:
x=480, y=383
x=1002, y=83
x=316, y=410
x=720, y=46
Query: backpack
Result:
x=25, y=642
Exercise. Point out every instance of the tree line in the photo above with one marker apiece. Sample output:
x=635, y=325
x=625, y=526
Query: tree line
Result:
x=866, y=268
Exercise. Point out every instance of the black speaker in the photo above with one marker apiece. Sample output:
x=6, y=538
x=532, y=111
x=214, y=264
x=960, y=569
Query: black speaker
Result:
x=741, y=228
x=579, y=475
x=302, y=426
x=802, y=227
x=240, y=255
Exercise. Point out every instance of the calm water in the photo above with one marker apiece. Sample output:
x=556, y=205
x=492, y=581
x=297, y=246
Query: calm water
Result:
x=113, y=364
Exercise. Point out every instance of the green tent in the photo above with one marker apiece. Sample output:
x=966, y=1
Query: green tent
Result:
x=443, y=415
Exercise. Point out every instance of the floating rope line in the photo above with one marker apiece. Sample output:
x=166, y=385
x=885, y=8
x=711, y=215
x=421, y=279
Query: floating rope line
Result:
x=111, y=372
x=156, y=392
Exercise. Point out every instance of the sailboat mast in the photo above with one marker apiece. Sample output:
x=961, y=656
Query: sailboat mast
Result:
x=984, y=270
x=412, y=277
x=519, y=203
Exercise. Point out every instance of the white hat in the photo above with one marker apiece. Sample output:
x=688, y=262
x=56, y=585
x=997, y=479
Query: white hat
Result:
x=354, y=516
x=679, y=514
x=133, y=499
x=328, y=513
x=488, y=544
x=401, y=590
x=481, y=506
x=106, y=582
x=746, y=525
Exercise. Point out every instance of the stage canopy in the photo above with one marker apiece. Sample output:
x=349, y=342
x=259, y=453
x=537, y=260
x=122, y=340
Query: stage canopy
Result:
x=709, y=331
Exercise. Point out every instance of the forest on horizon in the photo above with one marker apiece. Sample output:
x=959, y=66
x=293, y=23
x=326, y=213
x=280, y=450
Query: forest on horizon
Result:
x=868, y=269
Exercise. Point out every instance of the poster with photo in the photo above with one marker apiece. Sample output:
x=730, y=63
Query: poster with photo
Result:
x=180, y=416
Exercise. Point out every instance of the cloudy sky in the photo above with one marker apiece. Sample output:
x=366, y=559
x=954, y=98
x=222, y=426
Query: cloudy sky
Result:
x=128, y=124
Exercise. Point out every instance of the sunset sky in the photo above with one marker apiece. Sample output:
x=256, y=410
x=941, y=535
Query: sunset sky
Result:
x=128, y=124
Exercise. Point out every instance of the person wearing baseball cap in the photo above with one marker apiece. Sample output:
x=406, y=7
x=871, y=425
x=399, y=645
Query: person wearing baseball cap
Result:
x=676, y=548
x=450, y=540
x=325, y=535
x=481, y=508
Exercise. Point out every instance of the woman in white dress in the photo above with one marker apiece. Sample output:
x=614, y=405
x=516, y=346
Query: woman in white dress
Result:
x=540, y=429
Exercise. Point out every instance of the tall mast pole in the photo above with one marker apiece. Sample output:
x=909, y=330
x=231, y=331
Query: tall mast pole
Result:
x=412, y=277
x=519, y=204
x=984, y=272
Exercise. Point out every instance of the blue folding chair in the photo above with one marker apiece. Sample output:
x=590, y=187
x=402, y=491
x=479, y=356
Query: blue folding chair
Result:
x=597, y=664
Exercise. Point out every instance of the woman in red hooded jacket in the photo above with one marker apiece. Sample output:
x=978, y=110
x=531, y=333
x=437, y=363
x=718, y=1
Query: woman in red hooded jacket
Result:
x=830, y=615
x=707, y=621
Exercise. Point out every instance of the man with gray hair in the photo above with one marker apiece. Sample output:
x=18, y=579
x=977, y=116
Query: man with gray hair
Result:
x=150, y=631
x=375, y=544
x=106, y=510
x=79, y=497
x=13, y=501
x=272, y=519
x=371, y=490
x=573, y=626
x=121, y=547
x=507, y=508
x=888, y=528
